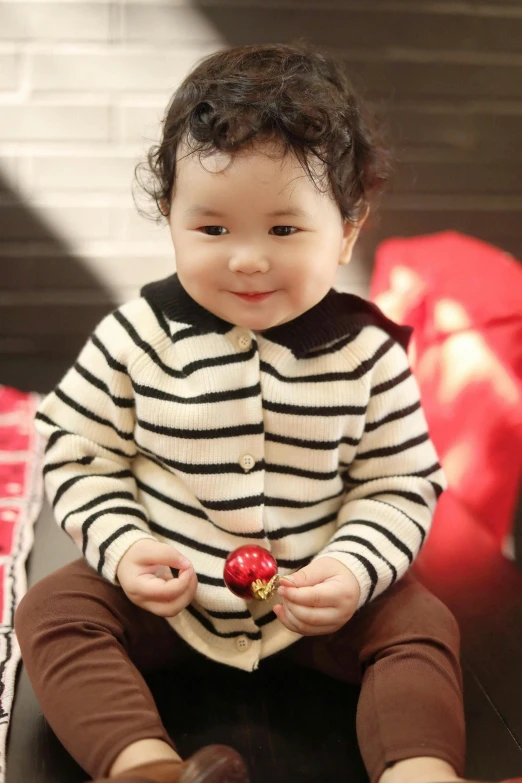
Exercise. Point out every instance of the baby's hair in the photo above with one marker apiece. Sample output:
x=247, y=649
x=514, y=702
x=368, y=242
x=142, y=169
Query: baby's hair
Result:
x=290, y=93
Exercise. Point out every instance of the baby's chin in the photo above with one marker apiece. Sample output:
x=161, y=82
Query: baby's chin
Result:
x=260, y=324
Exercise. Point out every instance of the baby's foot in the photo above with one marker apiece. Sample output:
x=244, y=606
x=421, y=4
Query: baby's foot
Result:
x=211, y=764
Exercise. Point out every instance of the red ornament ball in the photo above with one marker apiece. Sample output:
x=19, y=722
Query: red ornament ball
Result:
x=246, y=564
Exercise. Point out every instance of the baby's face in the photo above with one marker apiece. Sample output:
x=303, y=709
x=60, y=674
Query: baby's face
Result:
x=229, y=241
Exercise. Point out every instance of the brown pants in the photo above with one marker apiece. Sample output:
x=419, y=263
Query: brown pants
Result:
x=84, y=645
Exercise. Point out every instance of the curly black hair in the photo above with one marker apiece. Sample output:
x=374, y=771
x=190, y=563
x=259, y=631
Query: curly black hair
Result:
x=291, y=93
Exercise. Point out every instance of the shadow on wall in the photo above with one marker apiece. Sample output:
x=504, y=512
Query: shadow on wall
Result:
x=50, y=301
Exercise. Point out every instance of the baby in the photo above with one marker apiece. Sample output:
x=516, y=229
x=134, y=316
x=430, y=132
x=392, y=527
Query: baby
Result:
x=243, y=400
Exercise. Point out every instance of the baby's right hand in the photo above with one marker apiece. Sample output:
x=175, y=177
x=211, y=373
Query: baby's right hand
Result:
x=145, y=576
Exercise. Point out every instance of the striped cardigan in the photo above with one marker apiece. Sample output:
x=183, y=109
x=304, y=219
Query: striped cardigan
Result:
x=307, y=439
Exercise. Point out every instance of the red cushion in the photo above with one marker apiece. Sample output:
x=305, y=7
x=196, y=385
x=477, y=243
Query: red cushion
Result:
x=464, y=300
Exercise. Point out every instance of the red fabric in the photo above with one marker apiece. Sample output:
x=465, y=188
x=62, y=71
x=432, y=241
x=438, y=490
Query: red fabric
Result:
x=21, y=493
x=464, y=299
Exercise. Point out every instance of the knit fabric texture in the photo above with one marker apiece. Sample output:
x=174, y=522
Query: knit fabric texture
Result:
x=307, y=439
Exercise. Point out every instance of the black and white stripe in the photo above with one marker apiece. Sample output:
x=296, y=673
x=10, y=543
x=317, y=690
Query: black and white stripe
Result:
x=147, y=431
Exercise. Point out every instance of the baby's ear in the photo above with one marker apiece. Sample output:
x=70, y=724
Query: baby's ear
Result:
x=351, y=232
x=164, y=206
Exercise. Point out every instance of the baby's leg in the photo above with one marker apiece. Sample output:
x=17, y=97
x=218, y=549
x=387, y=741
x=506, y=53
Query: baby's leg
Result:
x=83, y=645
x=411, y=704
x=405, y=644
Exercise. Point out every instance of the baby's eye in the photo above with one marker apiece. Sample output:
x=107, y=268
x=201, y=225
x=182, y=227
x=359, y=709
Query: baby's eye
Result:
x=215, y=231
x=286, y=230
x=212, y=234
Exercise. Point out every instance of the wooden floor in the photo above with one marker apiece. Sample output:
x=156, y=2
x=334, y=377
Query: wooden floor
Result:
x=295, y=726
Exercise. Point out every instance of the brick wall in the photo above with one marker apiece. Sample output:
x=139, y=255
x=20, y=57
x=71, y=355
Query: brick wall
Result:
x=83, y=84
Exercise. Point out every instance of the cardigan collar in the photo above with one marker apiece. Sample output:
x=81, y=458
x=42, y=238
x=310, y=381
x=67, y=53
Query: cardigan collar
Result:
x=337, y=315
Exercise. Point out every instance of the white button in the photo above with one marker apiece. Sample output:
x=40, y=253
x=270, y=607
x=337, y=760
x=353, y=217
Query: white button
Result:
x=243, y=643
x=247, y=462
x=244, y=341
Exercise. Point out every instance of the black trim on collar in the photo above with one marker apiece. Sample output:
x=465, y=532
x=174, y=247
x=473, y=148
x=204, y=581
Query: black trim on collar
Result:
x=334, y=317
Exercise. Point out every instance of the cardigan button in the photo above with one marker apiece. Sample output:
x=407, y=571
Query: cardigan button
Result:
x=247, y=462
x=244, y=342
x=243, y=643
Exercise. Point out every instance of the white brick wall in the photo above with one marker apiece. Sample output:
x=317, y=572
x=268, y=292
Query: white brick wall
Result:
x=54, y=21
x=163, y=23
x=80, y=101
x=81, y=172
x=9, y=65
x=94, y=69
x=53, y=122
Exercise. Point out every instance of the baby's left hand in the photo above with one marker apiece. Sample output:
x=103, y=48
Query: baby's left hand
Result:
x=324, y=599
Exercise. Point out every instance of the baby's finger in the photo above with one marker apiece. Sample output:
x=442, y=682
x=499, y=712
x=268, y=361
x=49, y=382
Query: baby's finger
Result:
x=312, y=615
x=171, y=606
x=154, y=552
x=153, y=588
x=305, y=628
x=280, y=612
x=170, y=609
x=322, y=595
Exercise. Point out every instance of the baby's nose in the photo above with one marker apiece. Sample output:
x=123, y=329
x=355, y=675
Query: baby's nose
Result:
x=248, y=263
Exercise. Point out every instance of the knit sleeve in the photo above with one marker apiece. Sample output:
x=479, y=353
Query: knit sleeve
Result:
x=393, y=483
x=88, y=422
